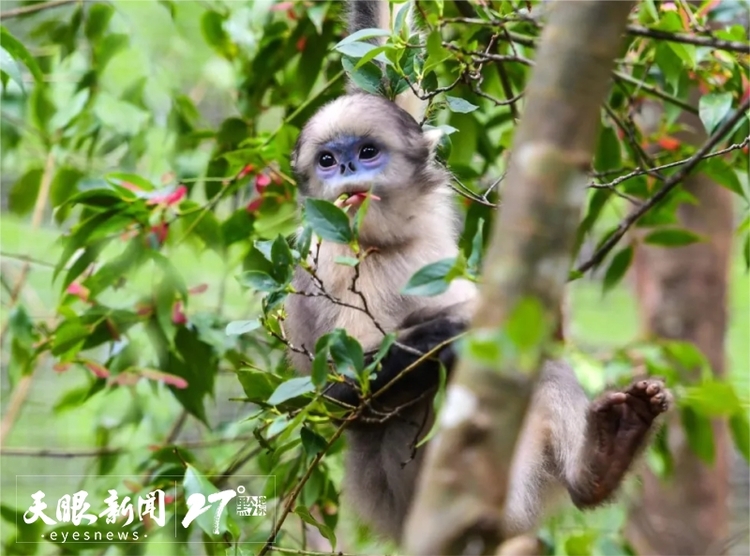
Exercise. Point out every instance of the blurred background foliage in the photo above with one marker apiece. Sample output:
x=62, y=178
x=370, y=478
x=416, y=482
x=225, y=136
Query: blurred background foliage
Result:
x=145, y=171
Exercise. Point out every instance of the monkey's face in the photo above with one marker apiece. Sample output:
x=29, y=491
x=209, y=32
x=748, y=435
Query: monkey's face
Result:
x=364, y=144
x=351, y=166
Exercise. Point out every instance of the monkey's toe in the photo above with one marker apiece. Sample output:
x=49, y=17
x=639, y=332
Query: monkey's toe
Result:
x=648, y=398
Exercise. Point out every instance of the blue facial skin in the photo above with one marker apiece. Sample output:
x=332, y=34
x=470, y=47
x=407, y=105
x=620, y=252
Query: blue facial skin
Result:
x=349, y=164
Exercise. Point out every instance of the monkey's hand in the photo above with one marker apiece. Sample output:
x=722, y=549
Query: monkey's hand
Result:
x=416, y=373
x=618, y=428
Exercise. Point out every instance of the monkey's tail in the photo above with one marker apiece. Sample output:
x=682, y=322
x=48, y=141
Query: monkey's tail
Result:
x=376, y=14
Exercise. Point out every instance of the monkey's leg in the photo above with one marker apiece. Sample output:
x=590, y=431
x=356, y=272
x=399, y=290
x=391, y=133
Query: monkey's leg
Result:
x=617, y=428
x=585, y=446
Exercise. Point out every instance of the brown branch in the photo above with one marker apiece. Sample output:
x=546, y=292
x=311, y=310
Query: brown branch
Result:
x=672, y=182
x=26, y=10
x=640, y=171
x=635, y=30
x=21, y=391
x=307, y=552
x=298, y=488
x=655, y=91
x=684, y=38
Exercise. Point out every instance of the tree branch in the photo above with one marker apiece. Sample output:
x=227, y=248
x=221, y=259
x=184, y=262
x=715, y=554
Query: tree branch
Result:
x=21, y=391
x=684, y=38
x=463, y=485
x=26, y=10
x=672, y=182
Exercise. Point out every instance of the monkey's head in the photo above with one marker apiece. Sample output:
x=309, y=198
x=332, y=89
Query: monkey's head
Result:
x=364, y=144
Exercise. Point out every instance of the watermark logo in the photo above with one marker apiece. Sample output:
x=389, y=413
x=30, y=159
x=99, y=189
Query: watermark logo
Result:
x=110, y=514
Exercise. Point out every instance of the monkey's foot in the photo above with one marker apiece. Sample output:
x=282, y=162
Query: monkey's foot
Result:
x=618, y=426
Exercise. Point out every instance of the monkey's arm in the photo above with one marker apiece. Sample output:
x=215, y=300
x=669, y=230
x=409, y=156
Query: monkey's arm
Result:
x=420, y=334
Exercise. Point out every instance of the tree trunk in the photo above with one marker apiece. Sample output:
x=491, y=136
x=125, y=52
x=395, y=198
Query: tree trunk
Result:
x=462, y=487
x=682, y=293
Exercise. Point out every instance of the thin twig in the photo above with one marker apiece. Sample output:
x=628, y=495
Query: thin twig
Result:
x=21, y=391
x=684, y=38
x=640, y=171
x=298, y=488
x=672, y=182
x=25, y=10
x=307, y=552
x=635, y=30
x=655, y=91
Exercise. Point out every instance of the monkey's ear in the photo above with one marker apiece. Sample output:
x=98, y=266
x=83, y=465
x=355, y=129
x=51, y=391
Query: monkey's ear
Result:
x=433, y=135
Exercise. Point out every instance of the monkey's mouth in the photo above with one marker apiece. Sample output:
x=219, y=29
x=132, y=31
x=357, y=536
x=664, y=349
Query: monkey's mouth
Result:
x=354, y=198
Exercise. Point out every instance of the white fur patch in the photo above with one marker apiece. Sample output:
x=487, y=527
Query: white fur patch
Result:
x=460, y=405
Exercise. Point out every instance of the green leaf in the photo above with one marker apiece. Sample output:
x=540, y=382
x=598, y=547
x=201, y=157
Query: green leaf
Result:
x=212, y=26
x=700, y=434
x=97, y=198
x=738, y=425
x=346, y=261
x=260, y=281
x=485, y=346
x=712, y=109
x=712, y=399
x=672, y=237
x=670, y=65
x=305, y=515
x=687, y=356
x=89, y=255
x=23, y=194
x=460, y=105
x=10, y=67
x=312, y=442
x=132, y=257
x=238, y=327
x=68, y=337
x=355, y=49
x=238, y=227
x=581, y=544
x=97, y=20
x=282, y=259
x=257, y=385
x=723, y=174
x=364, y=34
x=346, y=353
x=303, y=241
x=19, y=52
x=618, y=267
x=292, y=388
x=195, y=483
x=608, y=154
x=328, y=221
x=431, y=279
x=319, y=372
x=64, y=185
x=121, y=178
x=192, y=361
x=367, y=77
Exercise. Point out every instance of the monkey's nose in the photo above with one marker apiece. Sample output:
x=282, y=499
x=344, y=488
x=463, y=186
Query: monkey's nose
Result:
x=348, y=169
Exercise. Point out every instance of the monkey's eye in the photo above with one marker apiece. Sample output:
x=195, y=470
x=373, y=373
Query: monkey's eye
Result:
x=368, y=152
x=326, y=160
